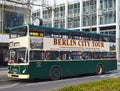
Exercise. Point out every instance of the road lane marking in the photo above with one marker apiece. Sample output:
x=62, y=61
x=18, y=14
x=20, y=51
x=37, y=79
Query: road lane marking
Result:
x=9, y=86
x=110, y=75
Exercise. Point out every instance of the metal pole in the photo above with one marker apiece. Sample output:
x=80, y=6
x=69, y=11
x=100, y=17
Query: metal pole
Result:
x=117, y=30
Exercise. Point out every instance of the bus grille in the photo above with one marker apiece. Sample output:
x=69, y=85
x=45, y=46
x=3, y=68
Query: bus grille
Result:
x=14, y=75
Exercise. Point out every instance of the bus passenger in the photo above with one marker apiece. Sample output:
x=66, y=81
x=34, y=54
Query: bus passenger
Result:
x=21, y=59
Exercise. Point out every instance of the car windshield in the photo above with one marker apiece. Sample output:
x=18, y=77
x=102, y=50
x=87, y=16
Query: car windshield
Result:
x=18, y=55
x=18, y=32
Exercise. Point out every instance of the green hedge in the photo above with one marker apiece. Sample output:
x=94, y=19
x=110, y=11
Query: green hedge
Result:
x=112, y=84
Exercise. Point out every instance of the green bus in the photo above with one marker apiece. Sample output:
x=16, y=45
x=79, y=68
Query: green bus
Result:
x=53, y=53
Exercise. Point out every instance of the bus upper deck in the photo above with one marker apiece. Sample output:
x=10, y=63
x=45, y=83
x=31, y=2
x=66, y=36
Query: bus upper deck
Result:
x=73, y=44
x=42, y=31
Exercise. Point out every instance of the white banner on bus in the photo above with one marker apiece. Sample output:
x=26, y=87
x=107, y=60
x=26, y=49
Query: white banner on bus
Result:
x=61, y=44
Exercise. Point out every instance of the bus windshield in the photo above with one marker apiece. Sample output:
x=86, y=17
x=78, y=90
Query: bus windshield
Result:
x=18, y=55
x=18, y=32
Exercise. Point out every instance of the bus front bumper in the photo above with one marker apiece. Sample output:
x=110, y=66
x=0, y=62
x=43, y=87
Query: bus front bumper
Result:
x=20, y=76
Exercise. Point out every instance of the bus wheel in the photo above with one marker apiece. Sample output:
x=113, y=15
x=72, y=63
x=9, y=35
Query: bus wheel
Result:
x=99, y=69
x=55, y=73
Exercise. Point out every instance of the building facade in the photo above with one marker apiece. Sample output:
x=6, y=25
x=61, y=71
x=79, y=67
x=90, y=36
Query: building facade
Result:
x=87, y=15
x=10, y=16
x=101, y=16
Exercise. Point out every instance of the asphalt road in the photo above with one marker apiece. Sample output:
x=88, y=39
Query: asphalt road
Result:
x=46, y=85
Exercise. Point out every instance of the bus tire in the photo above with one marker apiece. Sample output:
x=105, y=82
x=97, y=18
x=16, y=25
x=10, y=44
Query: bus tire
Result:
x=55, y=73
x=99, y=69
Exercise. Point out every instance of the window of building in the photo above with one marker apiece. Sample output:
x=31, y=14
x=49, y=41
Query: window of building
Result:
x=12, y=19
x=109, y=13
x=89, y=13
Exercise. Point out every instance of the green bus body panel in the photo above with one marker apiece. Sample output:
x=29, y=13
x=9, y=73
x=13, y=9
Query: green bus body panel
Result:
x=42, y=69
x=69, y=68
x=17, y=69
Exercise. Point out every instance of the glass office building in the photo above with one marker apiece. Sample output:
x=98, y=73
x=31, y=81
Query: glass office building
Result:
x=101, y=16
x=10, y=16
x=86, y=15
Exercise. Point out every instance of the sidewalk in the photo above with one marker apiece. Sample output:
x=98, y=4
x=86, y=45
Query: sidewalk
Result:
x=3, y=74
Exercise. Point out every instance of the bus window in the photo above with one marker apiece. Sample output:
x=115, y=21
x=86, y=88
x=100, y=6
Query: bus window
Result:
x=87, y=55
x=55, y=35
x=13, y=34
x=52, y=35
x=36, y=34
x=18, y=32
x=106, y=39
x=21, y=34
x=65, y=55
x=41, y=34
x=37, y=55
x=95, y=38
x=47, y=35
x=76, y=55
x=65, y=36
x=96, y=55
x=76, y=37
x=52, y=55
x=112, y=39
x=108, y=55
x=18, y=55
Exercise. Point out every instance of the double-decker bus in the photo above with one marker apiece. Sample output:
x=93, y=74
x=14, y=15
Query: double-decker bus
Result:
x=53, y=53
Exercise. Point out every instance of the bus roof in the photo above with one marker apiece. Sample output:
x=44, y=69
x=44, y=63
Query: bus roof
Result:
x=67, y=31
